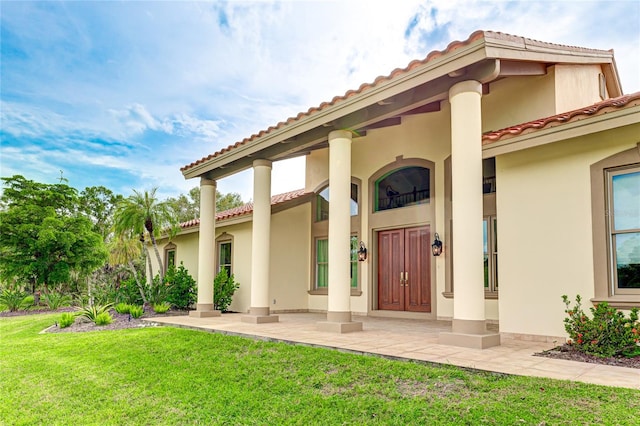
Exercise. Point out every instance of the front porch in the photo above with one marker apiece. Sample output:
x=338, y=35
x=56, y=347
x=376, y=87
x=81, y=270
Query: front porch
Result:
x=413, y=340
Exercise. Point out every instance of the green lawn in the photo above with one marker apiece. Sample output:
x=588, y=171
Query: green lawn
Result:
x=176, y=376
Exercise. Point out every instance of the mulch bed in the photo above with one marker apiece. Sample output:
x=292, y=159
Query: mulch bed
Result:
x=122, y=321
x=570, y=353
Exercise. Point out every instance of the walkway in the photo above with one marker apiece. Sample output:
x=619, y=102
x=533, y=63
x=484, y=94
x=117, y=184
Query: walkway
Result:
x=418, y=340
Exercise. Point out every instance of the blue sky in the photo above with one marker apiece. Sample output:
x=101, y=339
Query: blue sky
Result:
x=122, y=94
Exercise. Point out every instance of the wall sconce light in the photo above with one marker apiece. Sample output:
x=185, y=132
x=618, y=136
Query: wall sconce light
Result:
x=362, y=252
x=436, y=247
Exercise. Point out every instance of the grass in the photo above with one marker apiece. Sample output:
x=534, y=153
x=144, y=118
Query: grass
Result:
x=177, y=376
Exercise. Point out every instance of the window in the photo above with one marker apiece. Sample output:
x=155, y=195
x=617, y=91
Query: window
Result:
x=319, y=262
x=322, y=262
x=224, y=246
x=490, y=253
x=489, y=229
x=169, y=256
x=624, y=228
x=615, y=217
x=322, y=203
x=224, y=257
x=403, y=187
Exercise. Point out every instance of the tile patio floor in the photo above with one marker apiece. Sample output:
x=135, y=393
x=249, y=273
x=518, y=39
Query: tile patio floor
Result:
x=415, y=339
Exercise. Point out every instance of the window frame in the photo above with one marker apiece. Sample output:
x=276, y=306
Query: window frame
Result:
x=224, y=238
x=489, y=210
x=320, y=230
x=605, y=287
x=168, y=249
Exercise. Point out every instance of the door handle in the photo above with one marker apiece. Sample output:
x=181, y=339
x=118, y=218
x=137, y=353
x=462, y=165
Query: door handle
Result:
x=406, y=278
x=401, y=279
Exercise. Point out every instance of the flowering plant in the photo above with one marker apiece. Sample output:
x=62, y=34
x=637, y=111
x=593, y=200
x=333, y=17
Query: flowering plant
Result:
x=608, y=333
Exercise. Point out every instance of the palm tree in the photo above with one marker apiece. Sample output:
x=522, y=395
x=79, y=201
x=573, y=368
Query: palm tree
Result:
x=123, y=251
x=142, y=214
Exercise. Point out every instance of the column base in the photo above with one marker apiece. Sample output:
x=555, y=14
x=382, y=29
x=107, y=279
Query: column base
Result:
x=339, y=322
x=204, y=310
x=259, y=316
x=469, y=334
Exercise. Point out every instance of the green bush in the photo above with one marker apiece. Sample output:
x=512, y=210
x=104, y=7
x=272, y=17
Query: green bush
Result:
x=91, y=312
x=55, y=300
x=136, y=311
x=103, y=318
x=157, y=292
x=122, y=308
x=67, y=319
x=161, y=308
x=128, y=292
x=14, y=300
x=181, y=287
x=608, y=333
x=223, y=289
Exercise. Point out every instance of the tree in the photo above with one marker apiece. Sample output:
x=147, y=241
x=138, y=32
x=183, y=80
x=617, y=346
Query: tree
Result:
x=44, y=237
x=142, y=214
x=188, y=207
x=123, y=251
x=99, y=204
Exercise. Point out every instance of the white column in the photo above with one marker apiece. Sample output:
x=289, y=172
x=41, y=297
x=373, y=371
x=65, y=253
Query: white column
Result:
x=468, y=326
x=339, y=299
x=206, y=249
x=260, y=250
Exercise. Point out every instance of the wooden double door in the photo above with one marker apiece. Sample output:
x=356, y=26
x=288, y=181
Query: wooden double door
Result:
x=404, y=269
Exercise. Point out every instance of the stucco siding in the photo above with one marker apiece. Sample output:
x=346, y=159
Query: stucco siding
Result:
x=290, y=253
x=545, y=231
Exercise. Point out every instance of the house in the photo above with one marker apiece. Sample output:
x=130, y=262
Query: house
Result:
x=520, y=157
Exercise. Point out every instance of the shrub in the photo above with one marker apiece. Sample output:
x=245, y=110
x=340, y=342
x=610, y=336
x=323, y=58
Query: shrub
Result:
x=223, y=289
x=104, y=318
x=122, y=308
x=128, y=292
x=136, y=311
x=608, y=333
x=181, y=290
x=91, y=312
x=157, y=292
x=67, y=319
x=55, y=300
x=161, y=308
x=14, y=300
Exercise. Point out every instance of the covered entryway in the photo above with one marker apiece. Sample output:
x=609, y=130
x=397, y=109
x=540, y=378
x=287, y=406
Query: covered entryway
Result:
x=404, y=269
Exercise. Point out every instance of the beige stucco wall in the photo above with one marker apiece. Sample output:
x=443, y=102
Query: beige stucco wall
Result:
x=290, y=254
x=576, y=86
x=545, y=238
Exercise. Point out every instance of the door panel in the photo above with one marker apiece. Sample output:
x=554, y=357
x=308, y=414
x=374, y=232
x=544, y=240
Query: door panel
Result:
x=404, y=270
x=417, y=258
x=390, y=265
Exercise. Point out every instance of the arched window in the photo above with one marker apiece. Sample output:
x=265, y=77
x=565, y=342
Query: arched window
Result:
x=403, y=187
x=322, y=203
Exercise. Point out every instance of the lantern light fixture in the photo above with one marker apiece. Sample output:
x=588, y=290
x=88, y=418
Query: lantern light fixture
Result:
x=362, y=252
x=436, y=247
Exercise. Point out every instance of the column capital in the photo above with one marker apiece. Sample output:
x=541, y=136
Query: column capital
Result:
x=263, y=163
x=464, y=87
x=339, y=134
x=205, y=181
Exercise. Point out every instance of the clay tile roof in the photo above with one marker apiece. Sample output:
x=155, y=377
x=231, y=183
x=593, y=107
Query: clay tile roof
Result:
x=566, y=117
x=247, y=208
x=363, y=87
x=477, y=35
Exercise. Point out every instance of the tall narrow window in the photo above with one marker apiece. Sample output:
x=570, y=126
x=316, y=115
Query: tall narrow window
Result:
x=624, y=228
x=322, y=262
x=224, y=256
x=490, y=255
x=169, y=256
